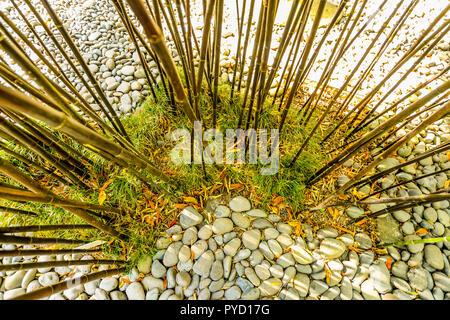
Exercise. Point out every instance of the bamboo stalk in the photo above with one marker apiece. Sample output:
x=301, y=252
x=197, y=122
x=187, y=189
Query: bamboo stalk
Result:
x=432, y=118
x=405, y=182
x=44, y=252
x=62, y=30
x=156, y=40
x=64, y=285
x=55, y=264
x=36, y=228
x=16, y=211
x=16, y=101
x=438, y=149
x=370, y=136
x=34, y=240
x=417, y=241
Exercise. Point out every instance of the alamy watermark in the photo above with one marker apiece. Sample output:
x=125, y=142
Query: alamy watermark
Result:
x=235, y=146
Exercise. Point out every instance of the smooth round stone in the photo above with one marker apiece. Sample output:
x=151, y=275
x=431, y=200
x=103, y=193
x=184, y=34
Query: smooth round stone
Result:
x=271, y=233
x=275, y=247
x=251, y=239
x=284, y=240
x=89, y=287
x=158, y=269
x=284, y=228
x=203, y=265
x=205, y=232
x=317, y=287
x=252, y=294
x=170, y=277
x=381, y=279
x=190, y=217
x=270, y=287
x=438, y=229
x=332, y=248
x=212, y=244
x=301, y=255
x=240, y=220
x=430, y=214
x=354, y=212
x=286, y=260
x=184, y=254
x=327, y=233
x=198, y=248
x=233, y=293
x=150, y=282
x=256, y=257
x=399, y=269
x=222, y=212
x=252, y=277
x=119, y=295
x=29, y=276
x=183, y=279
x=364, y=241
x=228, y=236
x=222, y=225
x=109, y=284
x=408, y=227
x=265, y=250
x=276, y=271
x=145, y=264
x=48, y=279
x=216, y=285
x=232, y=247
x=256, y=213
x=239, y=204
x=417, y=278
x=163, y=243
x=274, y=218
x=261, y=223
x=135, y=291
x=442, y=281
x=10, y=294
x=414, y=247
x=216, y=270
x=262, y=271
x=242, y=254
x=189, y=236
x=174, y=230
x=171, y=255
x=401, y=216
x=434, y=257
x=368, y=291
x=15, y=280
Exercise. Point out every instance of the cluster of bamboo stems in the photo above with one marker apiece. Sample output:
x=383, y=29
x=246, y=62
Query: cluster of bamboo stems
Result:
x=40, y=110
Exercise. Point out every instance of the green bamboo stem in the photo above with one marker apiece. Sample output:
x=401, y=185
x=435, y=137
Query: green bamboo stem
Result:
x=417, y=241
